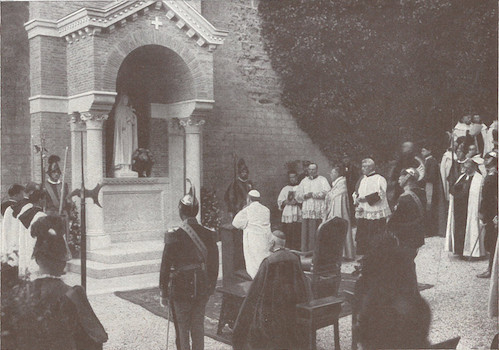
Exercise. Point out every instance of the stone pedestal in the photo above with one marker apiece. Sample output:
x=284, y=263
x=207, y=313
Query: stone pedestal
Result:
x=96, y=237
x=125, y=173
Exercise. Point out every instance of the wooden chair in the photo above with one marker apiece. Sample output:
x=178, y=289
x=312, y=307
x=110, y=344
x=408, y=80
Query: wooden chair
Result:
x=317, y=314
x=324, y=269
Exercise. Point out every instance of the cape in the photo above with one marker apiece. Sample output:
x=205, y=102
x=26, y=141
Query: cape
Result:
x=337, y=205
x=8, y=203
x=16, y=208
x=267, y=317
x=72, y=324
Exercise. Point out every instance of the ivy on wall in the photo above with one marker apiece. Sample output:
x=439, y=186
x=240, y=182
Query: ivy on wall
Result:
x=360, y=76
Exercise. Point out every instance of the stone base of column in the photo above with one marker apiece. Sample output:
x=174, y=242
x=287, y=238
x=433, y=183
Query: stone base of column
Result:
x=96, y=241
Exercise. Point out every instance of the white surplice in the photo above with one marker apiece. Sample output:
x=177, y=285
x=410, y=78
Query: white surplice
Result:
x=26, y=247
x=370, y=184
x=254, y=220
x=10, y=238
x=313, y=208
x=290, y=213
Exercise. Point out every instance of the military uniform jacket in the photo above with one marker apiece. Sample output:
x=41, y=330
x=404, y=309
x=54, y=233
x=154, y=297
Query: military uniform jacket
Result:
x=407, y=221
x=181, y=265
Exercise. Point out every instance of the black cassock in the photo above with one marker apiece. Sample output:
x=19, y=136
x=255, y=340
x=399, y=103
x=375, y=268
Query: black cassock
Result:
x=49, y=314
x=488, y=210
x=461, y=191
x=267, y=318
x=436, y=218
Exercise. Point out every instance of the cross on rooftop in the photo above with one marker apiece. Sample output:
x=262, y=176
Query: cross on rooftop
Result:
x=157, y=23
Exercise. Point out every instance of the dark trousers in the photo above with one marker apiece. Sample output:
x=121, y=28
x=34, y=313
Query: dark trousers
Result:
x=490, y=241
x=367, y=233
x=293, y=235
x=189, y=322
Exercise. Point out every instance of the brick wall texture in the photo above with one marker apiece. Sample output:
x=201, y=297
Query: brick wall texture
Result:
x=15, y=121
x=248, y=119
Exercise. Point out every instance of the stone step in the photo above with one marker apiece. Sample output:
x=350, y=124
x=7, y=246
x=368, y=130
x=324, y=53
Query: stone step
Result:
x=125, y=252
x=100, y=270
x=136, y=236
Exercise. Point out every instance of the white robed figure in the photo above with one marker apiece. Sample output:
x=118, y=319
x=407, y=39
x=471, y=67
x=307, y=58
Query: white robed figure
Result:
x=254, y=220
x=473, y=245
x=10, y=238
x=125, y=136
x=337, y=205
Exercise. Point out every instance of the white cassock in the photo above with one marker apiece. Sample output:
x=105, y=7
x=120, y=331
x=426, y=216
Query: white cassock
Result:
x=489, y=139
x=445, y=167
x=254, y=220
x=26, y=245
x=10, y=238
x=473, y=240
x=460, y=130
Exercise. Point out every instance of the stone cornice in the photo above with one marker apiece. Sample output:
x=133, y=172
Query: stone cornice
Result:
x=92, y=21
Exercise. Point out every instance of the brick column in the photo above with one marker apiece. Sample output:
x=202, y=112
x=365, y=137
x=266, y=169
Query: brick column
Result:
x=193, y=152
x=94, y=172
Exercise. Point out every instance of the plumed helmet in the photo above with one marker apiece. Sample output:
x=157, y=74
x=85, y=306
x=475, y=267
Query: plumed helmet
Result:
x=241, y=165
x=53, y=164
x=189, y=204
x=50, y=241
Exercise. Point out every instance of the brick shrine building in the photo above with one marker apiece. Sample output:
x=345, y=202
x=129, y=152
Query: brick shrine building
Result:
x=203, y=89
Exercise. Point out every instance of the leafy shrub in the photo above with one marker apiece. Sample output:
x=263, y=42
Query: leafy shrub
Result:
x=361, y=76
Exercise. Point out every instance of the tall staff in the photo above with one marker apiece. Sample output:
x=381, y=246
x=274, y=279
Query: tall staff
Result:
x=62, y=199
x=83, y=222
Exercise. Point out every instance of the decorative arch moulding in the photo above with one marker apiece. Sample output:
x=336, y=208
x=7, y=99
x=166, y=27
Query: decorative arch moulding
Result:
x=90, y=21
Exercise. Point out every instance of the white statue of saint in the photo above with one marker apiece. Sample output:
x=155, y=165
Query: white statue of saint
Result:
x=125, y=138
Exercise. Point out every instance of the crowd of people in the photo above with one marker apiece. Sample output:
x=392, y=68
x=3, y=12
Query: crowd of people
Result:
x=39, y=310
x=387, y=220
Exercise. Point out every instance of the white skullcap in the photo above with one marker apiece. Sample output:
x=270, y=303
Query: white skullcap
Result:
x=254, y=194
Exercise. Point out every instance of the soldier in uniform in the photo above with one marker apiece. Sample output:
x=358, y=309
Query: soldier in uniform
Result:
x=53, y=186
x=189, y=271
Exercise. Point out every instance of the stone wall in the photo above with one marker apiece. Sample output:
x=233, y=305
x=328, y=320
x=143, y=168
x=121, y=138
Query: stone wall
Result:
x=248, y=119
x=15, y=119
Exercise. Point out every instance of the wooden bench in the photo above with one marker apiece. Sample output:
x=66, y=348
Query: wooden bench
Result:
x=318, y=314
x=233, y=294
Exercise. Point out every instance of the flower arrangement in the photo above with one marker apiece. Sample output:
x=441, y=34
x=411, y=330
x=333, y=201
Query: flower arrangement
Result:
x=210, y=209
x=142, y=162
x=74, y=234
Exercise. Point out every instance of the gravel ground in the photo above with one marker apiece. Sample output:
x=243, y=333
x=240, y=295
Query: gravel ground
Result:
x=458, y=302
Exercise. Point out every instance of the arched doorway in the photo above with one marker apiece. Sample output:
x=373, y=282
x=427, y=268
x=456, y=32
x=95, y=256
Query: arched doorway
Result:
x=150, y=74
